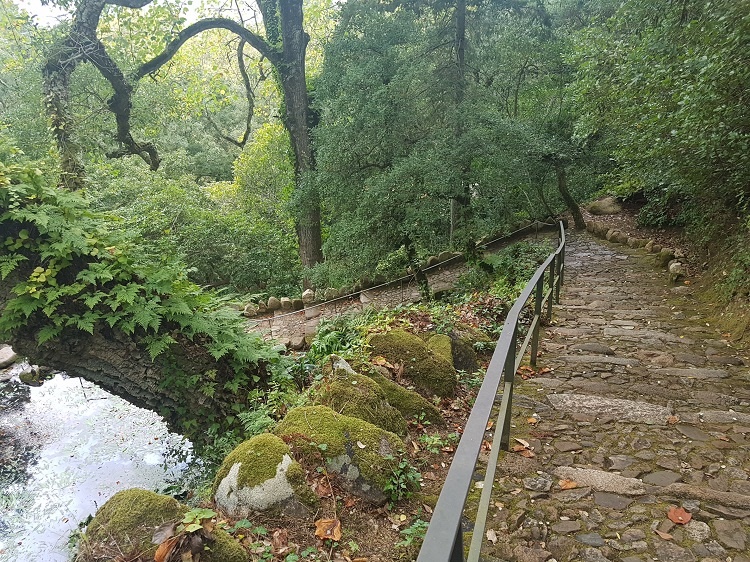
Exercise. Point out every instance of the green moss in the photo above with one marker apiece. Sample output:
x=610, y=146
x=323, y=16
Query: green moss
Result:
x=409, y=403
x=128, y=520
x=125, y=525
x=259, y=456
x=358, y=396
x=224, y=549
x=295, y=474
x=429, y=372
x=318, y=430
x=440, y=344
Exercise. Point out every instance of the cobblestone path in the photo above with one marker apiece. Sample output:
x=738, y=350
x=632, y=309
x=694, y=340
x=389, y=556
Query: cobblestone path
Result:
x=645, y=407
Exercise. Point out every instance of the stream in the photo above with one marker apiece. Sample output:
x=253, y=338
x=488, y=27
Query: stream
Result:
x=65, y=448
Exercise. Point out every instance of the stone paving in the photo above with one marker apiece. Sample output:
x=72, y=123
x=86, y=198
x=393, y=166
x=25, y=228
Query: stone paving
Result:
x=645, y=407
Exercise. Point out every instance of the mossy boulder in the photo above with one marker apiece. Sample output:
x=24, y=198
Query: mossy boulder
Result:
x=606, y=206
x=124, y=527
x=360, y=452
x=411, y=405
x=429, y=372
x=347, y=392
x=440, y=344
x=260, y=474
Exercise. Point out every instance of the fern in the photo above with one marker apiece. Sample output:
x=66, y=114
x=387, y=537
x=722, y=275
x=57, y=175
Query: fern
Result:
x=9, y=263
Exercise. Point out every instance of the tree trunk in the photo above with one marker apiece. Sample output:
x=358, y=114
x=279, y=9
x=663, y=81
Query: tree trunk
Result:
x=562, y=186
x=296, y=119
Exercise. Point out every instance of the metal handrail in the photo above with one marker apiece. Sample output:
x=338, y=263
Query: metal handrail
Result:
x=444, y=539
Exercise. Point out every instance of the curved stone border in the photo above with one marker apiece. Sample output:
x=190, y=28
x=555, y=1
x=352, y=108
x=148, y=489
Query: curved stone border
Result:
x=667, y=258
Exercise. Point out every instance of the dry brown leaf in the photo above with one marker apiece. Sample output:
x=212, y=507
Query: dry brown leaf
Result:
x=679, y=516
x=165, y=549
x=662, y=534
x=489, y=425
x=532, y=421
x=567, y=484
x=491, y=536
x=522, y=442
x=527, y=453
x=322, y=488
x=328, y=529
x=517, y=448
x=280, y=540
x=671, y=420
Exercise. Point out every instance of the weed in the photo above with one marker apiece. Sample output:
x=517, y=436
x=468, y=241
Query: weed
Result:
x=402, y=481
x=414, y=533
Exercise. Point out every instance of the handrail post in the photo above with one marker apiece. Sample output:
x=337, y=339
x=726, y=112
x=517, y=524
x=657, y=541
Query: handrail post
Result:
x=509, y=376
x=552, y=268
x=560, y=273
x=538, y=297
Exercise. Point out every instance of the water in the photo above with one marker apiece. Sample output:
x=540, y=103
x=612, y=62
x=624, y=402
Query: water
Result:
x=65, y=448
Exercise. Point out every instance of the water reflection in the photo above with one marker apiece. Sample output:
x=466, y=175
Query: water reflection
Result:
x=65, y=448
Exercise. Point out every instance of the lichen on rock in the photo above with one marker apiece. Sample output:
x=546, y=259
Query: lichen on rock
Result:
x=429, y=372
x=349, y=393
x=260, y=474
x=123, y=529
x=361, y=453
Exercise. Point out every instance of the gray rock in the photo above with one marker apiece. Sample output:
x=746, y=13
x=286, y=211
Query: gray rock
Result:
x=308, y=296
x=593, y=348
x=565, y=527
x=662, y=478
x=693, y=433
x=273, y=303
x=566, y=446
x=618, y=409
x=593, y=555
x=537, y=484
x=601, y=480
x=670, y=552
x=620, y=462
x=731, y=534
x=297, y=304
x=286, y=304
x=7, y=356
x=526, y=554
x=591, y=539
x=697, y=530
x=612, y=501
x=593, y=359
x=696, y=373
x=250, y=310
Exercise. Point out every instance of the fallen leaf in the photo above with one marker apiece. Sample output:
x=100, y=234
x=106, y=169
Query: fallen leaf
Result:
x=532, y=421
x=527, y=453
x=381, y=361
x=350, y=502
x=280, y=540
x=522, y=442
x=491, y=536
x=567, y=484
x=165, y=549
x=662, y=534
x=489, y=425
x=163, y=532
x=328, y=529
x=671, y=420
x=361, y=445
x=679, y=515
x=322, y=488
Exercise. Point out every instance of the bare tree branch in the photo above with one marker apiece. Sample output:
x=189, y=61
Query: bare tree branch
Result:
x=256, y=41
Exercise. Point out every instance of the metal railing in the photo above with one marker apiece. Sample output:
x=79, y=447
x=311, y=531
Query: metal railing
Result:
x=444, y=539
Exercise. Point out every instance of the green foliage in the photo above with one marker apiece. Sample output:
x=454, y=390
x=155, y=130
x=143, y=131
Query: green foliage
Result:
x=413, y=534
x=402, y=482
x=343, y=335
x=72, y=270
x=194, y=520
x=666, y=84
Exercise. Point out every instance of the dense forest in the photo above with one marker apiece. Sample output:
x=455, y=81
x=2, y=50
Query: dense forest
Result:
x=153, y=152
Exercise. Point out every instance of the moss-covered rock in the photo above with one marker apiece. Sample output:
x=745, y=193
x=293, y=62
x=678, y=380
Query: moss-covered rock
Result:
x=362, y=453
x=124, y=526
x=260, y=474
x=411, y=405
x=349, y=393
x=440, y=344
x=429, y=372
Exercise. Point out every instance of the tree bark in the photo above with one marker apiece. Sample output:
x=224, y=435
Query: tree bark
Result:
x=562, y=186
